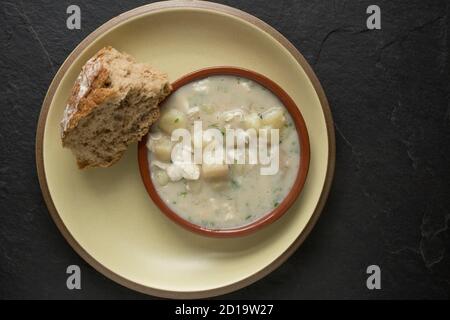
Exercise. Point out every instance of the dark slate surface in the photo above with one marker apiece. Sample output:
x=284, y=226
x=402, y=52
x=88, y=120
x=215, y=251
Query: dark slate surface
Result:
x=389, y=204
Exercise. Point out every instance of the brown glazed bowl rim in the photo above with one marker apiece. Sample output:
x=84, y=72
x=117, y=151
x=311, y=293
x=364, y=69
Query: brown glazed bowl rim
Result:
x=302, y=172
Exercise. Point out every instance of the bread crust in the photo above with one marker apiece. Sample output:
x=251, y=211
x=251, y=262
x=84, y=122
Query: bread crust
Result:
x=87, y=93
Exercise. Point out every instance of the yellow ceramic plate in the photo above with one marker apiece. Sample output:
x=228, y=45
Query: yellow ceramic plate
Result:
x=106, y=214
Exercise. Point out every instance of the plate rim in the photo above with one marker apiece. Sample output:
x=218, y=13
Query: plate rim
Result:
x=161, y=6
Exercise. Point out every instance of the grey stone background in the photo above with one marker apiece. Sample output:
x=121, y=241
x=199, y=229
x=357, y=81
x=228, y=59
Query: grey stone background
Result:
x=389, y=204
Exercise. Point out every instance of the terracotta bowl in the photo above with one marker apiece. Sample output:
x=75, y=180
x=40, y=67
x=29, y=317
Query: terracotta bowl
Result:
x=290, y=198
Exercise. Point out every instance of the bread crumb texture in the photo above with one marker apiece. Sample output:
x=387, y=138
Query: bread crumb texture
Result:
x=113, y=103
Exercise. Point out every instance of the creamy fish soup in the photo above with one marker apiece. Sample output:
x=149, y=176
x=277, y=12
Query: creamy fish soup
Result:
x=222, y=196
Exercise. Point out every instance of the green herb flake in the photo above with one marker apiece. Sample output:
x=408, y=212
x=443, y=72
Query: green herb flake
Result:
x=275, y=204
x=176, y=120
x=234, y=184
x=248, y=217
x=183, y=194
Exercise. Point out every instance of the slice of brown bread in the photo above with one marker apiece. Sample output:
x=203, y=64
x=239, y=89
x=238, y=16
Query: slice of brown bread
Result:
x=113, y=103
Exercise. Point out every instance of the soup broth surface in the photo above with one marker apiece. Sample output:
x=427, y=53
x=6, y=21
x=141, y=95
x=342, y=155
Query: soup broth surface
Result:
x=222, y=196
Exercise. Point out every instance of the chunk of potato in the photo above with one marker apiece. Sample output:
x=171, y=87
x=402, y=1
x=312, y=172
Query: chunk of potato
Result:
x=171, y=120
x=161, y=177
x=252, y=120
x=163, y=150
x=214, y=171
x=274, y=118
